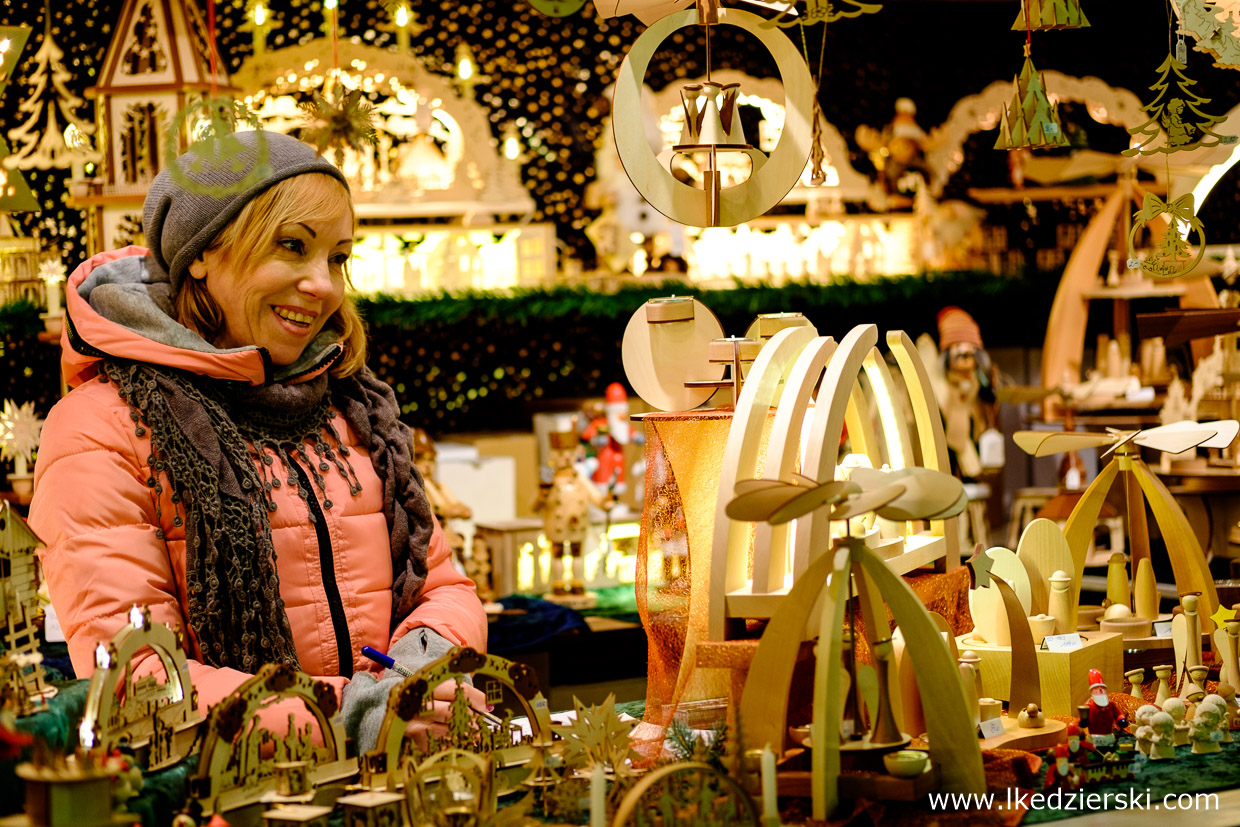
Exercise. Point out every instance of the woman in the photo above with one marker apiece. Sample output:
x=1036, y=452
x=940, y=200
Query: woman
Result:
x=236, y=467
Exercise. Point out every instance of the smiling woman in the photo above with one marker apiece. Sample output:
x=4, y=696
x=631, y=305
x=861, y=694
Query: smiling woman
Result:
x=237, y=468
x=275, y=276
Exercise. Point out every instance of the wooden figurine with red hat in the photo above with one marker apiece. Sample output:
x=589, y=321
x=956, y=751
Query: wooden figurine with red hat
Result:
x=1103, y=716
x=1062, y=775
x=608, y=431
x=565, y=508
x=966, y=396
x=1080, y=749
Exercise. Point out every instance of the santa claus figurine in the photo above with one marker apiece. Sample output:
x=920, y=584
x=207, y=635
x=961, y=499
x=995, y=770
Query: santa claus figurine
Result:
x=1061, y=775
x=1080, y=751
x=1102, y=715
x=606, y=435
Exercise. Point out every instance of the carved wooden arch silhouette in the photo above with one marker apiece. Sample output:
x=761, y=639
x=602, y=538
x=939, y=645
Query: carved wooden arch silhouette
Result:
x=381, y=765
x=976, y=113
x=161, y=716
x=686, y=792
x=219, y=785
x=764, y=702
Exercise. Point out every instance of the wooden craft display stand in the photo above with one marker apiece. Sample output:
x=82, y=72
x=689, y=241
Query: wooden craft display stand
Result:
x=501, y=541
x=1064, y=675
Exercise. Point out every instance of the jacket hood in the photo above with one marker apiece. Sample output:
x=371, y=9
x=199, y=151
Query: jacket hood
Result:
x=119, y=306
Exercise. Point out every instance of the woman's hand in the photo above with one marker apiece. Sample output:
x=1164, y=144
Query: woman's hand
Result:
x=435, y=720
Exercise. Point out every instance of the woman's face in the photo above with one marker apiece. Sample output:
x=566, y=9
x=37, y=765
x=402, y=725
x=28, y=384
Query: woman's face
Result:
x=283, y=298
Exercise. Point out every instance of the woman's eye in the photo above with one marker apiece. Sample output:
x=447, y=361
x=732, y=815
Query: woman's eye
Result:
x=340, y=259
x=293, y=245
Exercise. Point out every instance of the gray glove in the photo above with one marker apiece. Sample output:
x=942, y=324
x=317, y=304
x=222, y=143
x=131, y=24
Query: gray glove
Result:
x=364, y=702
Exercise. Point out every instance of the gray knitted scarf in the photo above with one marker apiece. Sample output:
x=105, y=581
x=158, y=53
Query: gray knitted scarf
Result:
x=216, y=442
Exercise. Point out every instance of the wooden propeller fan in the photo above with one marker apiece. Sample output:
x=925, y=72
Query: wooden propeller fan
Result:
x=1192, y=574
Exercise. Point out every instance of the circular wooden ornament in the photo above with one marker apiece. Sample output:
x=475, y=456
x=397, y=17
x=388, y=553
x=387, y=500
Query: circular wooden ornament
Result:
x=767, y=186
x=660, y=357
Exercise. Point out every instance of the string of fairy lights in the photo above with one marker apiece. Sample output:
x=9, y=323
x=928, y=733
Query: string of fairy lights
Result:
x=547, y=78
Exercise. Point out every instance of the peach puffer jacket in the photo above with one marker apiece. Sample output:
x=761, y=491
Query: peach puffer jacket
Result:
x=95, y=513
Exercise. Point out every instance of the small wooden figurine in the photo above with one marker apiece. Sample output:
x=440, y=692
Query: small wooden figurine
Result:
x=1194, y=688
x=1117, y=579
x=1228, y=693
x=1224, y=715
x=1031, y=717
x=1102, y=714
x=1059, y=603
x=1163, y=673
x=1163, y=737
x=1061, y=775
x=971, y=680
x=565, y=508
x=1204, y=730
x=1136, y=679
x=1178, y=711
x=1227, y=645
x=1186, y=636
x=1144, y=730
x=1145, y=591
x=1080, y=749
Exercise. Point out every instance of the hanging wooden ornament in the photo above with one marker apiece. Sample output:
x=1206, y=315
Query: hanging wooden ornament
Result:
x=211, y=123
x=713, y=126
x=1218, y=37
x=338, y=121
x=821, y=11
x=1043, y=15
x=15, y=194
x=1176, y=114
x=557, y=8
x=1031, y=121
x=1172, y=256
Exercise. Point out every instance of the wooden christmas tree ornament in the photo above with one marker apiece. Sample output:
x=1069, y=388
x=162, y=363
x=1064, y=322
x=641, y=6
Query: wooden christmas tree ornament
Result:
x=1031, y=121
x=1176, y=114
x=1045, y=15
x=1172, y=255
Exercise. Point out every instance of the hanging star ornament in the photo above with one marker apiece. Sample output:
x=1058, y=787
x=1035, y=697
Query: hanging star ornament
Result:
x=1176, y=114
x=1172, y=256
x=1031, y=121
x=20, y=428
x=598, y=736
x=338, y=121
x=1045, y=15
x=1222, y=615
x=979, y=568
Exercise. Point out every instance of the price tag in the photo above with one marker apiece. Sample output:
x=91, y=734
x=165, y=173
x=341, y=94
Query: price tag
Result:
x=539, y=703
x=847, y=727
x=992, y=728
x=1050, y=129
x=1061, y=643
x=1162, y=628
x=1134, y=264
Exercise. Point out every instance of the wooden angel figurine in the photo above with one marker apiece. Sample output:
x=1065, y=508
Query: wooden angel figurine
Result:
x=1224, y=715
x=443, y=502
x=1162, y=739
x=1204, y=730
x=565, y=508
x=1144, y=730
x=1177, y=709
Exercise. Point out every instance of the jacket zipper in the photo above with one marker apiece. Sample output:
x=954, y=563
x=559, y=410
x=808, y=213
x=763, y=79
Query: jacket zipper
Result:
x=335, y=603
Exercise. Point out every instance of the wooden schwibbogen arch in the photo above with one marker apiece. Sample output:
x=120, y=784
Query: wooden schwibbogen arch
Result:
x=160, y=718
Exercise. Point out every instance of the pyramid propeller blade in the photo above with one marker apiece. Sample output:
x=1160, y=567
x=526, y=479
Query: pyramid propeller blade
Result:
x=1045, y=443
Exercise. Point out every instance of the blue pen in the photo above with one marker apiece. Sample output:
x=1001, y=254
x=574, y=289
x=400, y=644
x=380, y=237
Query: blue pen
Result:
x=387, y=661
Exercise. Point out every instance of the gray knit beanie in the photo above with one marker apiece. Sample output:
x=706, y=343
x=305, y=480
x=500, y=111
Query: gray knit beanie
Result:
x=180, y=223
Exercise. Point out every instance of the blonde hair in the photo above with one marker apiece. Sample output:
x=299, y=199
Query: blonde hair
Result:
x=247, y=239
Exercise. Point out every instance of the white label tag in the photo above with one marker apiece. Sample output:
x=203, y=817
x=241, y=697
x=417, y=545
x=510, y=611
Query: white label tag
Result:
x=1134, y=264
x=1162, y=628
x=1062, y=643
x=992, y=728
x=847, y=727
x=539, y=703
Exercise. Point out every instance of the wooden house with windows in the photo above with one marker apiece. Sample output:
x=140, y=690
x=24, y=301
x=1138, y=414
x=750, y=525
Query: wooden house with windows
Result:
x=21, y=669
x=157, y=61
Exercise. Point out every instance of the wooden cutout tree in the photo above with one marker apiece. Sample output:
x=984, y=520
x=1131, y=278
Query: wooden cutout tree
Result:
x=1174, y=115
x=40, y=140
x=1050, y=14
x=1218, y=37
x=823, y=11
x=1031, y=121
